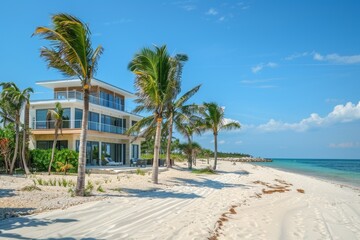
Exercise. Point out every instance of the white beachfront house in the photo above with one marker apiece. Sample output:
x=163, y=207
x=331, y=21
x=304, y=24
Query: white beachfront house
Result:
x=108, y=121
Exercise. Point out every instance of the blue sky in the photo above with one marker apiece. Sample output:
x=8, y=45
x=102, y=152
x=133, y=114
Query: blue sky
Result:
x=288, y=71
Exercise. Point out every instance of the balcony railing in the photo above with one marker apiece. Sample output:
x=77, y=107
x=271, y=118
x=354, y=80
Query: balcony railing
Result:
x=68, y=124
x=64, y=95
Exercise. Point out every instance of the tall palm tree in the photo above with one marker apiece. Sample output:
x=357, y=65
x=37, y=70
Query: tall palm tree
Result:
x=16, y=102
x=214, y=120
x=177, y=111
x=57, y=116
x=72, y=54
x=155, y=89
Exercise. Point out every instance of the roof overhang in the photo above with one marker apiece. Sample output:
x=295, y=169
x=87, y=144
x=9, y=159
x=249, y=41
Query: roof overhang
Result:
x=52, y=84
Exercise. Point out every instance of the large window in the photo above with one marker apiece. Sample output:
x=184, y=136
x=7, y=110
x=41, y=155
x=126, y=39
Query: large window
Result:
x=112, y=124
x=93, y=120
x=41, y=115
x=66, y=118
x=92, y=152
x=108, y=100
x=61, y=144
x=44, y=121
x=117, y=152
x=135, y=151
x=78, y=118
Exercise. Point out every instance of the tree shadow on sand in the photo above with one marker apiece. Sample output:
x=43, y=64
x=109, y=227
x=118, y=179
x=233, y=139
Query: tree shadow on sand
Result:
x=158, y=193
x=8, y=227
x=205, y=182
x=7, y=192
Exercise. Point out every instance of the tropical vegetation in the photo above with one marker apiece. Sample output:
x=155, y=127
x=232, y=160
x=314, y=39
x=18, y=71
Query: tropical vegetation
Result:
x=158, y=80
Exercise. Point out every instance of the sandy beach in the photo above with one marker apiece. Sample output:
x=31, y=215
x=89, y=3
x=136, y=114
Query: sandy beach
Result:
x=242, y=201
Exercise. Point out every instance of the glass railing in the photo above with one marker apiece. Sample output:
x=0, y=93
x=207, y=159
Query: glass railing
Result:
x=96, y=126
x=63, y=95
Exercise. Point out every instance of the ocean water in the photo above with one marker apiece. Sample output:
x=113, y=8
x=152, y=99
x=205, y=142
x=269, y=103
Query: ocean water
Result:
x=344, y=171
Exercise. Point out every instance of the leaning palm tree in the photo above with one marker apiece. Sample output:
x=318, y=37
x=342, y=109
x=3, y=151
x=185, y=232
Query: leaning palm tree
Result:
x=177, y=111
x=72, y=54
x=16, y=102
x=214, y=120
x=155, y=89
x=57, y=116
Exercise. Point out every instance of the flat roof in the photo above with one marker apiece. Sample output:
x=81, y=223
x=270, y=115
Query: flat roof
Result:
x=77, y=82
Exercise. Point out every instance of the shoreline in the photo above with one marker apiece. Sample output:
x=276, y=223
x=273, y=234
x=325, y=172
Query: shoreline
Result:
x=319, y=177
x=241, y=201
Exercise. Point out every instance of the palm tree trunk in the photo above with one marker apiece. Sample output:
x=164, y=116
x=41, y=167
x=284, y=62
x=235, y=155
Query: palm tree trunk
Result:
x=190, y=155
x=53, y=148
x=215, y=151
x=80, y=186
x=27, y=171
x=155, y=169
x=11, y=170
x=168, y=148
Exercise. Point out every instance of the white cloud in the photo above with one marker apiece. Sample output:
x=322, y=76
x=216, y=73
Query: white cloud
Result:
x=260, y=66
x=345, y=145
x=257, y=68
x=336, y=58
x=341, y=113
x=212, y=11
x=239, y=142
x=297, y=55
x=221, y=18
x=221, y=142
x=229, y=120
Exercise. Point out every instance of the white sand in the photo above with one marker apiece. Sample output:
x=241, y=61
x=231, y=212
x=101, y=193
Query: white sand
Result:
x=186, y=206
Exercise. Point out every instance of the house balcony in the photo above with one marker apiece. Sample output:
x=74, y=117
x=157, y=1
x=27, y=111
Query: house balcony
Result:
x=73, y=95
x=76, y=124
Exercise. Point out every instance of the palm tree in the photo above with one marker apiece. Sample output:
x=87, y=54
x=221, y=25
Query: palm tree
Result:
x=213, y=119
x=177, y=111
x=189, y=149
x=56, y=115
x=155, y=89
x=16, y=102
x=72, y=54
x=188, y=128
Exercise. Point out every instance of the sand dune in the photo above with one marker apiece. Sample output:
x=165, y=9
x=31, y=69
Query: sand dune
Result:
x=190, y=208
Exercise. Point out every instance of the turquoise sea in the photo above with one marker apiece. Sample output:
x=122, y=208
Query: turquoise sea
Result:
x=345, y=171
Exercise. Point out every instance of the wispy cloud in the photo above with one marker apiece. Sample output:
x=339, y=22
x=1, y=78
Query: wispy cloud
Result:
x=336, y=58
x=238, y=142
x=212, y=11
x=340, y=114
x=261, y=66
x=345, y=145
x=297, y=55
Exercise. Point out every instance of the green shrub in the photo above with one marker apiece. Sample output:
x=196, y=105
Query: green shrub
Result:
x=89, y=188
x=100, y=189
x=30, y=188
x=40, y=159
x=140, y=172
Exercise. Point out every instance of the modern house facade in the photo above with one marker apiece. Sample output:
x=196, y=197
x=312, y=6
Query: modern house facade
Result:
x=108, y=121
